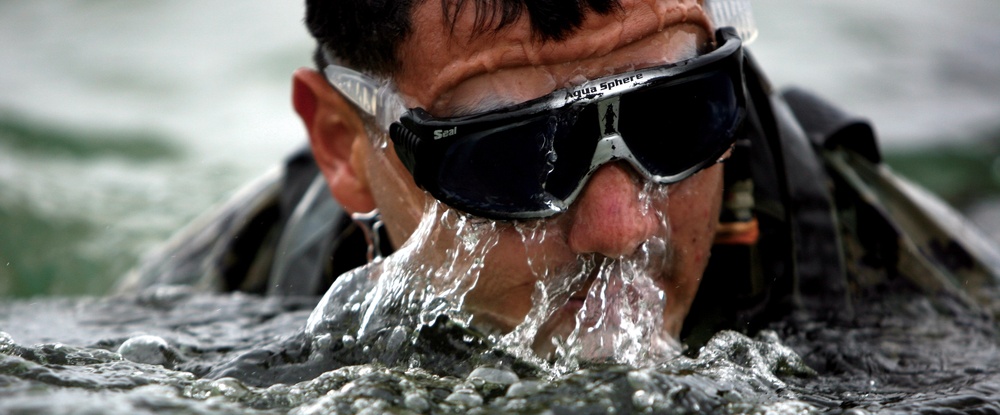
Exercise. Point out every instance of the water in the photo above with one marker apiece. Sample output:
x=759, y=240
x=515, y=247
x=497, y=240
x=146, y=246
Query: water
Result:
x=117, y=127
x=120, y=122
x=172, y=351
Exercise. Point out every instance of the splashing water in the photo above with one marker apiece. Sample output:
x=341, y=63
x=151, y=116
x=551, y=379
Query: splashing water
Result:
x=427, y=277
x=621, y=320
x=584, y=307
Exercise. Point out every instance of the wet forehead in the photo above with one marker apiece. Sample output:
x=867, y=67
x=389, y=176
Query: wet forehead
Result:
x=445, y=69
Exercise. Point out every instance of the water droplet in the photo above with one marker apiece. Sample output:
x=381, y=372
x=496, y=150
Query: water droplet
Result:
x=464, y=397
x=524, y=388
x=230, y=388
x=322, y=342
x=348, y=340
x=415, y=402
x=642, y=399
x=147, y=349
x=492, y=375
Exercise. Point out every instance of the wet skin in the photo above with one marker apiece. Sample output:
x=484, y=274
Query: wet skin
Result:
x=451, y=71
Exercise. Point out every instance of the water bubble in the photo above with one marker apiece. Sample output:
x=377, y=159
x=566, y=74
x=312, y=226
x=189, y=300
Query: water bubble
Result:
x=642, y=399
x=646, y=392
x=322, y=342
x=416, y=402
x=524, y=388
x=348, y=340
x=147, y=349
x=492, y=375
x=364, y=406
x=640, y=380
x=226, y=387
x=464, y=397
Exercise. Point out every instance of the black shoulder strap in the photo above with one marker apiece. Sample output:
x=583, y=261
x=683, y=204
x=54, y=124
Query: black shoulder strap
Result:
x=829, y=127
x=820, y=271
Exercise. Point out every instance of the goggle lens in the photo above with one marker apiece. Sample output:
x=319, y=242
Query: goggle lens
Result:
x=500, y=173
x=676, y=127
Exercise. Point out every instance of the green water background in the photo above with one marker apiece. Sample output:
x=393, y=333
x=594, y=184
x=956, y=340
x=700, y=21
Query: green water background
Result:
x=122, y=121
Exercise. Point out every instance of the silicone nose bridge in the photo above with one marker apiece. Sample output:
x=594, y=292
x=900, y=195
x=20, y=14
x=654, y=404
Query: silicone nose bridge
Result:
x=609, y=148
x=608, y=218
x=613, y=148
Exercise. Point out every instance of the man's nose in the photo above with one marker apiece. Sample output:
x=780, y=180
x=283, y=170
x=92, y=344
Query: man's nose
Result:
x=608, y=218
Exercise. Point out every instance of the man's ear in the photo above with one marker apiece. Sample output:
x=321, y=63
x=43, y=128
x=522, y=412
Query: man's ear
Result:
x=338, y=138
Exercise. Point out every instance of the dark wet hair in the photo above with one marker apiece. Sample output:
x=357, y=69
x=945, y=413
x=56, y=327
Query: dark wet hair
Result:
x=365, y=34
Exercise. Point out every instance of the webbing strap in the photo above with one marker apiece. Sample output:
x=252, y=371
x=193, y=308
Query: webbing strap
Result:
x=817, y=249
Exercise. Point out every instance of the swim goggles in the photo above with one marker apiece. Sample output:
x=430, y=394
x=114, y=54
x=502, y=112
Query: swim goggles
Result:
x=533, y=159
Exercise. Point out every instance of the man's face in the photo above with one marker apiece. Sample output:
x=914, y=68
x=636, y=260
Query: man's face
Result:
x=618, y=216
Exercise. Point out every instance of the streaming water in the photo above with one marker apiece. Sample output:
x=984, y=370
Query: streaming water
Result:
x=619, y=318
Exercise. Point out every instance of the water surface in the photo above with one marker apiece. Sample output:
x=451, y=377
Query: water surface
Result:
x=171, y=351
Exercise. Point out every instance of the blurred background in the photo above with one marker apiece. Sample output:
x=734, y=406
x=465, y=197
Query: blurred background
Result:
x=120, y=121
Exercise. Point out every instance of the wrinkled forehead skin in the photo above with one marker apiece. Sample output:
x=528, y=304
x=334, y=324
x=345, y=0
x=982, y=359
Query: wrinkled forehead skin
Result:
x=438, y=61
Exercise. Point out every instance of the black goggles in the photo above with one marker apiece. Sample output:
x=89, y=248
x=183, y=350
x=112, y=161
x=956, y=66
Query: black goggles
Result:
x=532, y=160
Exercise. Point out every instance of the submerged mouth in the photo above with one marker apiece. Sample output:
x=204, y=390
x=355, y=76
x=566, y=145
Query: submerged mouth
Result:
x=615, y=315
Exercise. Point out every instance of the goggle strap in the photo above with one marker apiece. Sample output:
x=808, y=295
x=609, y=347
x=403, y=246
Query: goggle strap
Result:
x=357, y=87
x=736, y=14
x=407, y=144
